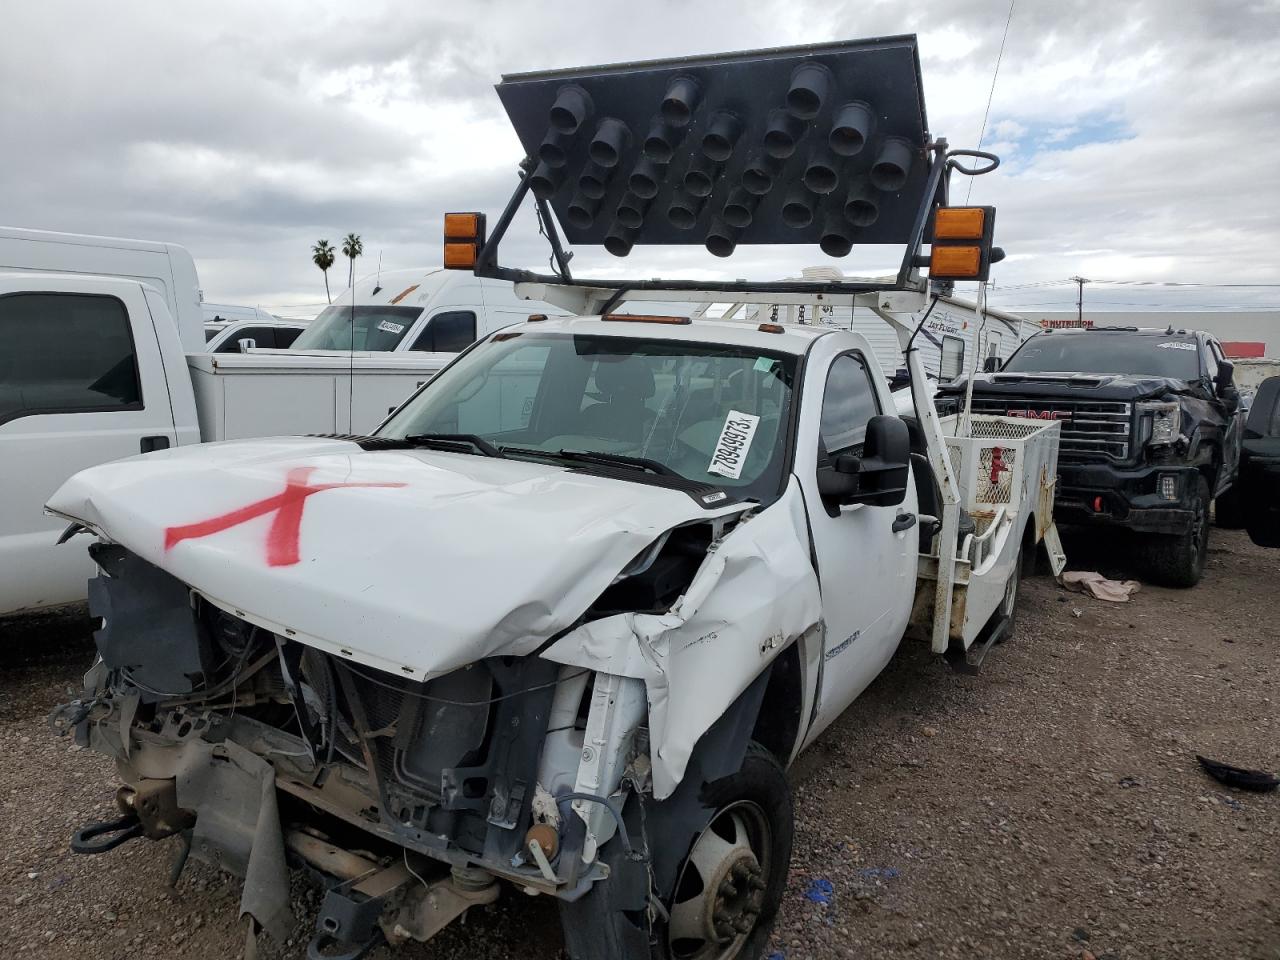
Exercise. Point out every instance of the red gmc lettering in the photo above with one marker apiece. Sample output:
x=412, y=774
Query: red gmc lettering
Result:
x=1040, y=414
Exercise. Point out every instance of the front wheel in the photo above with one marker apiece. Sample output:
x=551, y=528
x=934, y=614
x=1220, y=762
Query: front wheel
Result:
x=1179, y=561
x=728, y=887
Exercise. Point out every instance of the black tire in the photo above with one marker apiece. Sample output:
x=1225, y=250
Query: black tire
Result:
x=755, y=801
x=1229, y=511
x=1179, y=561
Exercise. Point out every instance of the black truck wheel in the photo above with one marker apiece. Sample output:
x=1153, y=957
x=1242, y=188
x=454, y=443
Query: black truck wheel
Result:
x=1228, y=509
x=1179, y=561
x=728, y=887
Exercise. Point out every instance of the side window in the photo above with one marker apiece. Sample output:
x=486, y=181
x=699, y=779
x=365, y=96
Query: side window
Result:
x=848, y=403
x=285, y=337
x=952, y=363
x=447, y=332
x=66, y=353
x=261, y=336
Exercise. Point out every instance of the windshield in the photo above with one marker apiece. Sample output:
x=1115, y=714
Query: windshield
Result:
x=211, y=332
x=711, y=413
x=376, y=328
x=1132, y=354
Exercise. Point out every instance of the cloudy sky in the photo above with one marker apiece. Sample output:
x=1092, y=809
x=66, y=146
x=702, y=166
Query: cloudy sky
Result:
x=1141, y=140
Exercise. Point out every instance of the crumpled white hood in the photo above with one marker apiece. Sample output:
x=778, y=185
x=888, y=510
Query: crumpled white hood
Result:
x=415, y=562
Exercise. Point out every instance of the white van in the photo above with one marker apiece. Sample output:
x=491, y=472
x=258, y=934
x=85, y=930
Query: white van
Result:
x=167, y=267
x=421, y=310
x=949, y=339
x=94, y=370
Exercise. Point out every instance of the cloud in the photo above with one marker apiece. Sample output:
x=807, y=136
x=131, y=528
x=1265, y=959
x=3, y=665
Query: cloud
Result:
x=1137, y=144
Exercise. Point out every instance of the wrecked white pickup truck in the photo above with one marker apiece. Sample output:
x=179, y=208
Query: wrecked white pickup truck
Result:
x=561, y=622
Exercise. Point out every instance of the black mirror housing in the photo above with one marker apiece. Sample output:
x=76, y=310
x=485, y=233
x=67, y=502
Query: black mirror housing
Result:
x=879, y=477
x=991, y=365
x=1226, y=376
x=1225, y=385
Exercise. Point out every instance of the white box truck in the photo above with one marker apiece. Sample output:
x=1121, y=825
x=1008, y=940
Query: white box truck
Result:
x=97, y=365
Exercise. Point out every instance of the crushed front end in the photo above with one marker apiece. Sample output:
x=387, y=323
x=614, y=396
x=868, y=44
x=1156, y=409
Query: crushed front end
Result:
x=408, y=800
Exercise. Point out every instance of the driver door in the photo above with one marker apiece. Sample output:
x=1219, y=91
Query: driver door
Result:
x=1260, y=466
x=866, y=567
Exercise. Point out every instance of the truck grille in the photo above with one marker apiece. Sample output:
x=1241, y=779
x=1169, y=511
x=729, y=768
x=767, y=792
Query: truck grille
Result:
x=1091, y=430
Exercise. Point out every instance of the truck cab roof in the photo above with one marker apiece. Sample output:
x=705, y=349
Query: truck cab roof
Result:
x=794, y=338
x=1169, y=331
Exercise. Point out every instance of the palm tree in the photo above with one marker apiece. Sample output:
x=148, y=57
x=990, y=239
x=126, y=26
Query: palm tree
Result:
x=352, y=248
x=322, y=255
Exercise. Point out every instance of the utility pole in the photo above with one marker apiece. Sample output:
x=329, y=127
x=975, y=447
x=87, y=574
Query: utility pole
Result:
x=1079, y=282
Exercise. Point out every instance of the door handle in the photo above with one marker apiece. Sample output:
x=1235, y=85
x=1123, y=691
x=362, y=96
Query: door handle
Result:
x=147, y=444
x=904, y=521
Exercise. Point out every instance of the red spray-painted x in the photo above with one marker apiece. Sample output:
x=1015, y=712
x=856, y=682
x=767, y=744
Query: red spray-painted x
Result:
x=282, y=538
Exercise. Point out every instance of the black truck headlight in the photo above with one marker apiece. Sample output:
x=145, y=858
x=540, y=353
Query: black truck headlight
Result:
x=1164, y=422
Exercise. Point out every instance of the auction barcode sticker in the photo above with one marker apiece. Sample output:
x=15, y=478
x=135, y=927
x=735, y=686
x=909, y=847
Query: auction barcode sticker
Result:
x=386, y=326
x=734, y=444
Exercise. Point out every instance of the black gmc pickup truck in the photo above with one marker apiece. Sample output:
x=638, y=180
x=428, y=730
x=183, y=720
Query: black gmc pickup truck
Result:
x=1150, y=431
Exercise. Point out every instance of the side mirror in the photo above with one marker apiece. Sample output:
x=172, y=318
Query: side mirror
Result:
x=879, y=477
x=1226, y=385
x=991, y=365
x=247, y=344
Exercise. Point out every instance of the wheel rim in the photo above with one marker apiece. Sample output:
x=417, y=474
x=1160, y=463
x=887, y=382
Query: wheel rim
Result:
x=721, y=888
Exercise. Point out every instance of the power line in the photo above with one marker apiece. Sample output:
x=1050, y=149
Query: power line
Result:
x=992, y=92
x=1064, y=306
x=1179, y=283
x=998, y=288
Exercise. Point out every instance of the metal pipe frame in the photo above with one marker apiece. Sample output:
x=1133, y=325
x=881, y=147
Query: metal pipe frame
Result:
x=907, y=277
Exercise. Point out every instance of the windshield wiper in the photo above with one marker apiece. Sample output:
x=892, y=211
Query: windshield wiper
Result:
x=617, y=460
x=455, y=441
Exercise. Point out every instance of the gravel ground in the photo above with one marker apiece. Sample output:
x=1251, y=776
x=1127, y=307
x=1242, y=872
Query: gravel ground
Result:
x=1050, y=807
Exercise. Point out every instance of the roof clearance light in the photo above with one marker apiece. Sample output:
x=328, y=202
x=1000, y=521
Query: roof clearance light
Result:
x=463, y=237
x=646, y=318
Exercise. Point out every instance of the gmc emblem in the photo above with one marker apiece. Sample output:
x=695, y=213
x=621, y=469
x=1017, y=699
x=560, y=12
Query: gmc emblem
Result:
x=1040, y=414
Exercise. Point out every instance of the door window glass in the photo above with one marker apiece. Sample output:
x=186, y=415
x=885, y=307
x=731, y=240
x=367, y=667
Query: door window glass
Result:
x=848, y=403
x=66, y=353
x=447, y=332
x=261, y=336
x=285, y=337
